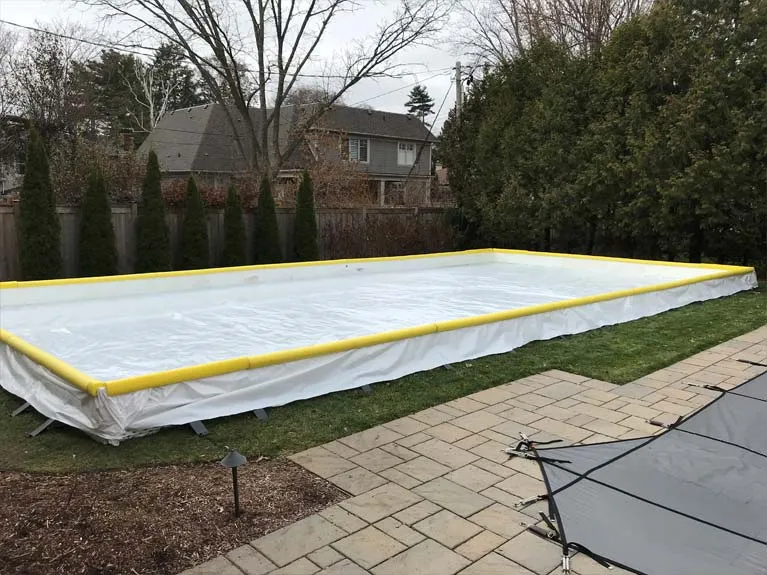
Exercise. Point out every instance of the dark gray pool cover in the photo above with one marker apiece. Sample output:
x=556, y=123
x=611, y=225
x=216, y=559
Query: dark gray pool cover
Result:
x=691, y=501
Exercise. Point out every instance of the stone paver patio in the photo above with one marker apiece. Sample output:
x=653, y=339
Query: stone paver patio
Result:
x=433, y=493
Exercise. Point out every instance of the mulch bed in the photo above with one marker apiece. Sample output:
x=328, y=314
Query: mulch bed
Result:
x=158, y=520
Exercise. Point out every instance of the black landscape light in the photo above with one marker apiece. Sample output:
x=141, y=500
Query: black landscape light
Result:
x=233, y=460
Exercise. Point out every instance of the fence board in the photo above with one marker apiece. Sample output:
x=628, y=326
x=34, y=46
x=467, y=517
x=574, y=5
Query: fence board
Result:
x=342, y=233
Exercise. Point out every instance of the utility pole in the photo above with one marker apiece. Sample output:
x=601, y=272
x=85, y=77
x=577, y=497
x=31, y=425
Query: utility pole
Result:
x=458, y=90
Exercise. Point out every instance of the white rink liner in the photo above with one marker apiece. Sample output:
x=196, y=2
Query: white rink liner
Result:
x=113, y=330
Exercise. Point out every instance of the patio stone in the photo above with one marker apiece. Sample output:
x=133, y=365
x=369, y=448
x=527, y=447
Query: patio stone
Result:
x=562, y=429
x=522, y=485
x=606, y=428
x=452, y=496
x=466, y=404
x=218, y=566
x=470, y=442
x=501, y=496
x=521, y=465
x=451, y=411
x=369, y=547
x=405, y=425
x=380, y=502
x=301, y=567
x=426, y=558
x=633, y=390
x=579, y=420
x=414, y=439
x=480, y=545
x=523, y=416
x=600, y=412
x=322, y=462
x=296, y=540
x=512, y=429
x=560, y=390
x=447, y=528
x=445, y=453
x=494, y=564
x=344, y=567
x=534, y=399
x=492, y=450
x=448, y=432
x=670, y=407
x=640, y=411
x=491, y=396
x=501, y=520
x=325, y=557
x=399, y=451
x=422, y=468
x=565, y=376
x=250, y=561
x=399, y=531
x=532, y=552
x=402, y=479
x=340, y=449
x=639, y=424
x=358, y=480
x=376, y=460
x=494, y=468
x=478, y=421
x=432, y=416
x=554, y=412
x=416, y=512
x=371, y=438
x=340, y=517
x=473, y=478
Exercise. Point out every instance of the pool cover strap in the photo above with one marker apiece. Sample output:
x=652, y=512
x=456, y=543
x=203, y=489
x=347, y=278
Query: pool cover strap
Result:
x=690, y=500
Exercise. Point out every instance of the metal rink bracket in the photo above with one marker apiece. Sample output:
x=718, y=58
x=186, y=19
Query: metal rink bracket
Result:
x=40, y=428
x=20, y=409
x=199, y=428
x=261, y=414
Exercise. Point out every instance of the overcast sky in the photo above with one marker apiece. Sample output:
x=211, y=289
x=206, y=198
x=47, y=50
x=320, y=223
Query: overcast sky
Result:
x=421, y=63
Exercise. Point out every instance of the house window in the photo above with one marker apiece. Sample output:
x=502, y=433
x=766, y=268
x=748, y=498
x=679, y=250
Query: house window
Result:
x=358, y=149
x=406, y=154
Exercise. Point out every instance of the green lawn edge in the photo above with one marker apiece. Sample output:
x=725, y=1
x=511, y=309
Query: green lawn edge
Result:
x=618, y=354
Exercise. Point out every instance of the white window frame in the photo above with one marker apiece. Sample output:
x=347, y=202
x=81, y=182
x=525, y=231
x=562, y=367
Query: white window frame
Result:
x=404, y=150
x=355, y=147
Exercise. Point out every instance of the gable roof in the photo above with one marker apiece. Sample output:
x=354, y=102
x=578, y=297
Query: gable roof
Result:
x=375, y=123
x=201, y=139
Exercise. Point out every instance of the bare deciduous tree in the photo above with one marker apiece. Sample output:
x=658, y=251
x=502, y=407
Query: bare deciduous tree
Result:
x=152, y=93
x=42, y=71
x=500, y=29
x=276, y=39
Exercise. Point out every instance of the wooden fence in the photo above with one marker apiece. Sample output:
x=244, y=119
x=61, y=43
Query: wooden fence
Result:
x=359, y=232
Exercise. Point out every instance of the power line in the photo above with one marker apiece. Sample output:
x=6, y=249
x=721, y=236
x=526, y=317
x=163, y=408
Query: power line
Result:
x=115, y=47
x=128, y=48
x=401, y=88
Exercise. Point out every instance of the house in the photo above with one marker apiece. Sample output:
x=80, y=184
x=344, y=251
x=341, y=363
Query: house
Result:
x=393, y=151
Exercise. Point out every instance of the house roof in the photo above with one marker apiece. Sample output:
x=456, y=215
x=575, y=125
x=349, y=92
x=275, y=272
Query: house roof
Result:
x=201, y=139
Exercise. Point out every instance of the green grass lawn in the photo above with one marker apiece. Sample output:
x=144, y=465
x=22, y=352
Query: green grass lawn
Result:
x=618, y=354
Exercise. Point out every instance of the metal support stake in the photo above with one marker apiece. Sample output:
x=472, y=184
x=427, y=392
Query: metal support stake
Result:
x=40, y=428
x=19, y=409
x=199, y=428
